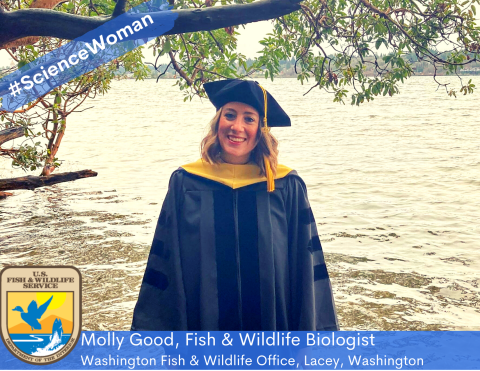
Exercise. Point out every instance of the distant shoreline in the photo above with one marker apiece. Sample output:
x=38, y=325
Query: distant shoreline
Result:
x=293, y=77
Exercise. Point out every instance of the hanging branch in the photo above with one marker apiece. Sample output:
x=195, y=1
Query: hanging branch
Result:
x=43, y=22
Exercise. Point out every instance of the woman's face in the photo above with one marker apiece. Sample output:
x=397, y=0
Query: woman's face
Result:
x=237, y=132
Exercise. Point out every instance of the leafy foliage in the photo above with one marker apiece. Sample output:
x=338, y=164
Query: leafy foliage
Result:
x=334, y=41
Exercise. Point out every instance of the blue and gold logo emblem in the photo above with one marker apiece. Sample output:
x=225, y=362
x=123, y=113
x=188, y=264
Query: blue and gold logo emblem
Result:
x=40, y=312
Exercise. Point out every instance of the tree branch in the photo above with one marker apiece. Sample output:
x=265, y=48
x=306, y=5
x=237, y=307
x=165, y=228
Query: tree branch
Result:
x=4, y=194
x=31, y=182
x=219, y=46
x=179, y=70
x=50, y=23
x=10, y=134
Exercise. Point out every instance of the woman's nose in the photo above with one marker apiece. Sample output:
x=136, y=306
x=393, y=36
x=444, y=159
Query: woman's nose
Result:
x=237, y=125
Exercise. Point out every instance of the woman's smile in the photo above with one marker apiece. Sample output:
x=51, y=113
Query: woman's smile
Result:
x=235, y=139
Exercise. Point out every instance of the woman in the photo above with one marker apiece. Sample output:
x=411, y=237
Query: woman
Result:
x=236, y=245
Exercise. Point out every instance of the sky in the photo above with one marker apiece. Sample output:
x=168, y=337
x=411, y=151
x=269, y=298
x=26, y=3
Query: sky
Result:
x=247, y=41
x=23, y=299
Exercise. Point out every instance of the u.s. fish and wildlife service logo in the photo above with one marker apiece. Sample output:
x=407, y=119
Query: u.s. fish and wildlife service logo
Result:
x=40, y=312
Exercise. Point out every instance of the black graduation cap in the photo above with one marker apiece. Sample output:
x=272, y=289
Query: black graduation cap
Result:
x=249, y=92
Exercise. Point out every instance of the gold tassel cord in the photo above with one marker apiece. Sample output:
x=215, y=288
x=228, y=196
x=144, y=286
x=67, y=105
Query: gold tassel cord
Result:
x=266, y=129
x=269, y=173
x=265, y=100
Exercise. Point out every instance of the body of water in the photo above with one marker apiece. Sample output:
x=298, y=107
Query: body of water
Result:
x=393, y=184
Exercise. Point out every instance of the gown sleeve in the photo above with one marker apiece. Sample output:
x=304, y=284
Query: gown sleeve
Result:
x=312, y=299
x=161, y=304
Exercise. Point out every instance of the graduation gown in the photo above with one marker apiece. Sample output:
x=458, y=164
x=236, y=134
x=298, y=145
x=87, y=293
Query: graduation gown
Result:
x=228, y=255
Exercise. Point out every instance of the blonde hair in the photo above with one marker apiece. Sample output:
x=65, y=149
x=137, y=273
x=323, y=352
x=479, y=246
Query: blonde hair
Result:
x=265, y=150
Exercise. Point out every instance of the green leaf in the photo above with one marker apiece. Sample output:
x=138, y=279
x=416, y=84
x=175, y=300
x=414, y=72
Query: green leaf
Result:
x=379, y=43
x=167, y=47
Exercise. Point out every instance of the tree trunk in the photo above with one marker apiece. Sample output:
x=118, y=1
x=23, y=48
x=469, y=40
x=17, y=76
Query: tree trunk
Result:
x=10, y=134
x=59, y=126
x=31, y=182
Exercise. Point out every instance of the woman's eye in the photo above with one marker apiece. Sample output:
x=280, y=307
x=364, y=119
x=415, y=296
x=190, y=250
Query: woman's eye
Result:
x=250, y=119
x=230, y=116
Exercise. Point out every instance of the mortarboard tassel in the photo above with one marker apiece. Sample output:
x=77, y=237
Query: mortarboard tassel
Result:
x=269, y=173
x=268, y=169
x=266, y=129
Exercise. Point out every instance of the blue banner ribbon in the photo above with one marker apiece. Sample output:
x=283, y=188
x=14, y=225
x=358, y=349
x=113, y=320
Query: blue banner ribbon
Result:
x=347, y=350
x=101, y=45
